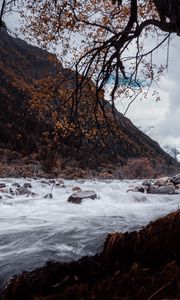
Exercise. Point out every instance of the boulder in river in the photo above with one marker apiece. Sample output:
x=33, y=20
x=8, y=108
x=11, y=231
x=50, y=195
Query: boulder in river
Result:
x=142, y=189
x=163, y=185
x=161, y=181
x=147, y=182
x=16, y=184
x=52, y=181
x=165, y=190
x=77, y=197
x=48, y=196
x=60, y=181
x=2, y=185
x=24, y=191
x=168, y=189
x=5, y=190
x=153, y=189
x=27, y=185
x=176, y=179
x=76, y=189
x=177, y=186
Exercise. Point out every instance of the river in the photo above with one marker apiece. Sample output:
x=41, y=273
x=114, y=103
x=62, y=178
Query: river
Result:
x=34, y=229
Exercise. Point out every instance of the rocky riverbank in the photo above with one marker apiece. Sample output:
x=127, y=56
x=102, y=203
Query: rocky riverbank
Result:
x=14, y=164
x=164, y=185
x=132, y=266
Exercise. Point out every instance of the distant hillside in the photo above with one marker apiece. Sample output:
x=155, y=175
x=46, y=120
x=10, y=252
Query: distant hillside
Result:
x=32, y=84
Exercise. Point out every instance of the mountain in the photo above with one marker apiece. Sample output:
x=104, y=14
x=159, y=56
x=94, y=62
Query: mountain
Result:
x=38, y=117
x=172, y=150
x=169, y=148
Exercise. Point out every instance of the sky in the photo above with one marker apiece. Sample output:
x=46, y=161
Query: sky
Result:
x=161, y=120
x=164, y=115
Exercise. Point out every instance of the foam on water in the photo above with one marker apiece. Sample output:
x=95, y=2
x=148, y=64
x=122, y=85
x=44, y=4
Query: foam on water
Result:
x=34, y=229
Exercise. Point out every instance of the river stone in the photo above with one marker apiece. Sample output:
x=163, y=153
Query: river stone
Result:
x=79, y=196
x=16, y=184
x=48, y=196
x=44, y=182
x=60, y=181
x=177, y=186
x=165, y=190
x=27, y=185
x=153, y=189
x=170, y=183
x=176, y=179
x=141, y=189
x=2, y=185
x=12, y=192
x=161, y=181
x=147, y=182
x=52, y=181
x=24, y=191
x=6, y=190
x=168, y=189
x=76, y=189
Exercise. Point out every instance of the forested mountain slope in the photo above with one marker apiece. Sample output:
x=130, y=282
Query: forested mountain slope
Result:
x=33, y=83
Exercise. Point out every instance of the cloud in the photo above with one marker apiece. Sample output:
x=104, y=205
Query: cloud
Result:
x=163, y=115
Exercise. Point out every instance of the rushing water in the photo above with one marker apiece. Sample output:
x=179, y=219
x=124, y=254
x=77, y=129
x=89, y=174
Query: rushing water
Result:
x=34, y=229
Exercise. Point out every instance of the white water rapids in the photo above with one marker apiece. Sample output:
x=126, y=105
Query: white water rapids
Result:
x=34, y=230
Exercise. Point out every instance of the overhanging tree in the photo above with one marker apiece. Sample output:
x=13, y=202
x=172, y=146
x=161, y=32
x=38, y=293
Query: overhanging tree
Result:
x=105, y=42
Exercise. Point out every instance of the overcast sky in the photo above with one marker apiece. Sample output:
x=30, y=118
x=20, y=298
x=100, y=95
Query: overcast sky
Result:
x=163, y=116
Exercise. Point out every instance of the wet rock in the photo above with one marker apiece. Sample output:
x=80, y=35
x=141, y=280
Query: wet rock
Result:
x=48, y=196
x=166, y=190
x=60, y=181
x=176, y=179
x=159, y=186
x=12, y=192
x=147, y=182
x=60, y=185
x=24, y=191
x=162, y=181
x=132, y=189
x=16, y=184
x=44, y=182
x=2, y=185
x=153, y=189
x=0, y=197
x=170, y=184
x=5, y=190
x=81, y=180
x=141, y=189
x=79, y=196
x=52, y=181
x=27, y=185
x=76, y=189
x=177, y=186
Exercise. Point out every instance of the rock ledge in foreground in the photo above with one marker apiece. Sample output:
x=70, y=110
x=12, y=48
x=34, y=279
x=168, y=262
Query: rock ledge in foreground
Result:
x=138, y=265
